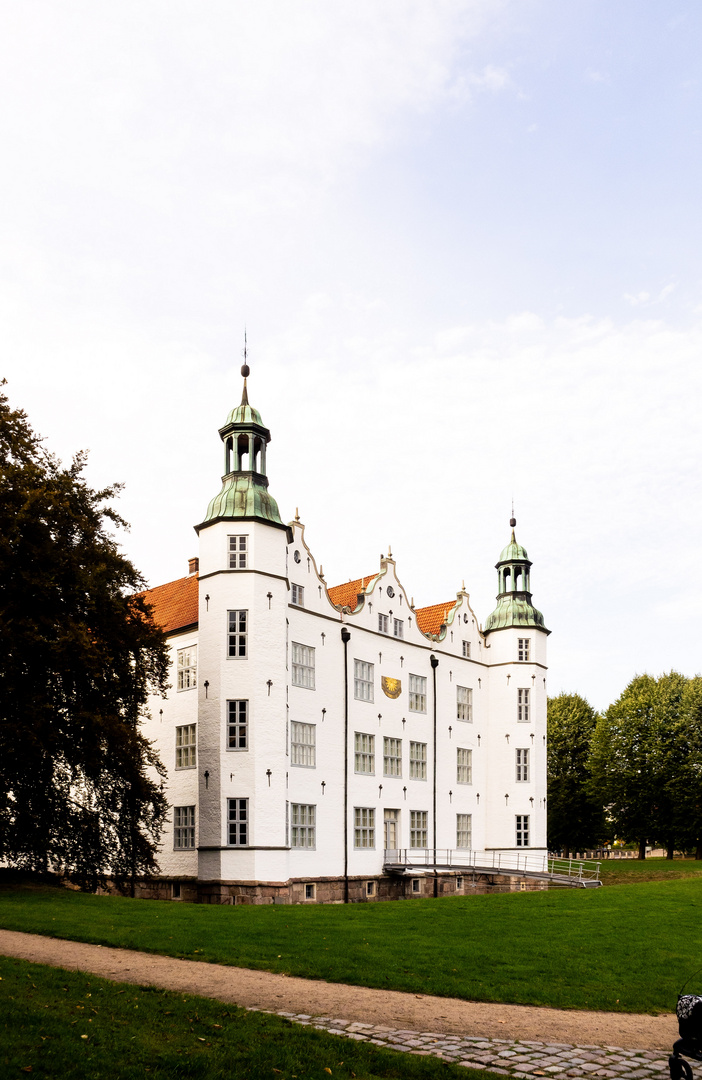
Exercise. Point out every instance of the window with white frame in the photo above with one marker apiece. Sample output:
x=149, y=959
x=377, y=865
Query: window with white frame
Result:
x=464, y=704
x=418, y=828
x=523, y=648
x=187, y=668
x=523, y=706
x=522, y=763
x=298, y=595
x=362, y=680
x=238, y=822
x=363, y=827
x=185, y=746
x=464, y=830
x=465, y=649
x=398, y=628
x=303, y=822
x=383, y=624
x=392, y=757
x=364, y=752
x=183, y=828
x=238, y=552
x=464, y=766
x=417, y=693
x=303, y=744
x=238, y=632
x=302, y=665
x=238, y=725
x=418, y=761
x=522, y=830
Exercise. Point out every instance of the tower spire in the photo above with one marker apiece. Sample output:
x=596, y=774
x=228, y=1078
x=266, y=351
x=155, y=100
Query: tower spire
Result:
x=245, y=370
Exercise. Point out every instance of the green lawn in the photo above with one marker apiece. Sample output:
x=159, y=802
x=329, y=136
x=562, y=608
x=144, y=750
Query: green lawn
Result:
x=633, y=871
x=64, y=1026
x=618, y=948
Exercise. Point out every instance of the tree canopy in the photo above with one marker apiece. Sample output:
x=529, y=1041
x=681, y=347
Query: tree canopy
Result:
x=575, y=816
x=80, y=786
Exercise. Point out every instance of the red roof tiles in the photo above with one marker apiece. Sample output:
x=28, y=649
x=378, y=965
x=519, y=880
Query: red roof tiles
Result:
x=430, y=619
x=174, y=604
x=346, y=595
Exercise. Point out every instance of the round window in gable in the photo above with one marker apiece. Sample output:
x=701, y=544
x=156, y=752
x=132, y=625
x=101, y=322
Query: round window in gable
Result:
x=390, y=591
x=296, y=556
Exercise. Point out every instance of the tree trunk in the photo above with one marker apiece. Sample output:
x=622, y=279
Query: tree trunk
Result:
x=698, y=850
x=642, y=849
x=670, y=850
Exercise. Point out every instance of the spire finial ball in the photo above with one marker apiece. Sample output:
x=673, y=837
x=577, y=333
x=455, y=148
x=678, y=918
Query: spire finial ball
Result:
x=245, y=370
x=512, y=522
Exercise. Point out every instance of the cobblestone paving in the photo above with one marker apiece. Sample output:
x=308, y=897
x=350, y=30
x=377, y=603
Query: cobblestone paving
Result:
x=521, y=1059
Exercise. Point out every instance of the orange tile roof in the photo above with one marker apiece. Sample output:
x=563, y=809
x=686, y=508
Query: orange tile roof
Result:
x=346, y=595
x=174, y=604
x=430, y=619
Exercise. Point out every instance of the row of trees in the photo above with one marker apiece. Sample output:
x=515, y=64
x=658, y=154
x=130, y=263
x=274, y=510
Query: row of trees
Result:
x=633, y=773
x=80, y=788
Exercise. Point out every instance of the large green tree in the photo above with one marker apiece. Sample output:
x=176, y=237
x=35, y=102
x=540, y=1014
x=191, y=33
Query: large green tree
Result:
x=646, y=762
x=80, y=786
x=575, y=816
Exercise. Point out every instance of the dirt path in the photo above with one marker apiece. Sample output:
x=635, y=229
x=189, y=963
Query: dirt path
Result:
x=274, y=993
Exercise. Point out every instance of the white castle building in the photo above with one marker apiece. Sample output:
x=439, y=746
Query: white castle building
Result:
x=336, y=743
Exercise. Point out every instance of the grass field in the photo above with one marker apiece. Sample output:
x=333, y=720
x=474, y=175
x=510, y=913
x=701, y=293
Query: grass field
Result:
x=59, y=1025
x=633, y=871
x=619, y=948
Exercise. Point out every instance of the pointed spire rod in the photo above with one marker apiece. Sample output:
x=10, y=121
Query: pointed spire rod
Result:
x=512, y=520
x=245, y=370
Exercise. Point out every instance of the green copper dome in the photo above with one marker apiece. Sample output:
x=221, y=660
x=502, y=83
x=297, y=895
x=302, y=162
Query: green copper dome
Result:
x=243, y=496
x=244, y=414
x=514, y=606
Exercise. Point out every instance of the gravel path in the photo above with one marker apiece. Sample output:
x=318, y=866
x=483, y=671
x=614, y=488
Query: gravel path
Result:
x=516, y=1040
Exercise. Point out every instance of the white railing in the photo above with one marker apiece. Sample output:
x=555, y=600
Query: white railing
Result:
x=504, y=861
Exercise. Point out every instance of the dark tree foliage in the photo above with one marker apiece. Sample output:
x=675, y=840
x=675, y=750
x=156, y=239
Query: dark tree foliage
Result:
x=575, y=816
x=80, y=786
x=646, y=762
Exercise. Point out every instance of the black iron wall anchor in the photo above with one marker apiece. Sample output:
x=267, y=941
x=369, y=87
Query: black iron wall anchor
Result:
x=324, y=784
x=207, y=778
x=206, y=684
x=269, y=597
x=269, y=684
x=269, y=774
x=207, y=602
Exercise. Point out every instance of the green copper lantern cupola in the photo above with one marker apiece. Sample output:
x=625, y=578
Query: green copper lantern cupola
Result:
x=244, y=495
x=514, y=606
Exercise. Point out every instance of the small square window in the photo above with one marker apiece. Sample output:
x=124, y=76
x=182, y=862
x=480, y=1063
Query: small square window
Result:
x=298, y=595
x=310, y=891
x=187, y=668
x=186, y=747
x=370, y=888
x=398, y=628
x=417, y=693
x=383, y=624
x=416, y=885
x=523, y=648
x=465, y=649
x=238, y=552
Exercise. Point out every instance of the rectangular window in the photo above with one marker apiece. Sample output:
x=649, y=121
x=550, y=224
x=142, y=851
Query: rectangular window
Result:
x=418, y=828
x=238, y=552
x=522, y=761
x=310, y=891
x=398, y=628
x=302, y=665
x=465, y=648
x=303, y=823
x=383, y=624
x=364, y=753
x=392, y=757
x=237, y=725
x=522, y=830
x=464, y=703
x=183, y=828
x=523, y=648
x=303, y=744
x=187, y=668
x=391, y=822
x=464, y=766
x=417, y=693
x=418, y=761
x=464, y=830
x=459, y=884
x=185, y=746
x=364, y=827
x=370, y=888
x=298, y=595
x=416, y=885
x=362, y=680
x=523, y=706
x=238, y=632
x=238, y=822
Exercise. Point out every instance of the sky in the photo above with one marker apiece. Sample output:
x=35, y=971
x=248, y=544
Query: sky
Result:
x=464, y=239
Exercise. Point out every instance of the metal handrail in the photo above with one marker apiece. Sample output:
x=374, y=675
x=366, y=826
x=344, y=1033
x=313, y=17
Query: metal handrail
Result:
x=497, y=860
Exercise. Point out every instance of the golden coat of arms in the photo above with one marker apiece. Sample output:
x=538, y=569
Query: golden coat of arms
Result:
x=392, y=688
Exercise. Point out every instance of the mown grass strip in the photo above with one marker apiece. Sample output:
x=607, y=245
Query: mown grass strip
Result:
x=634, y=871
x=618, y=948
x=58, y=1024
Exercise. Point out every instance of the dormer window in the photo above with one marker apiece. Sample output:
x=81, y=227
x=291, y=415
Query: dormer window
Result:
x=238, y=552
